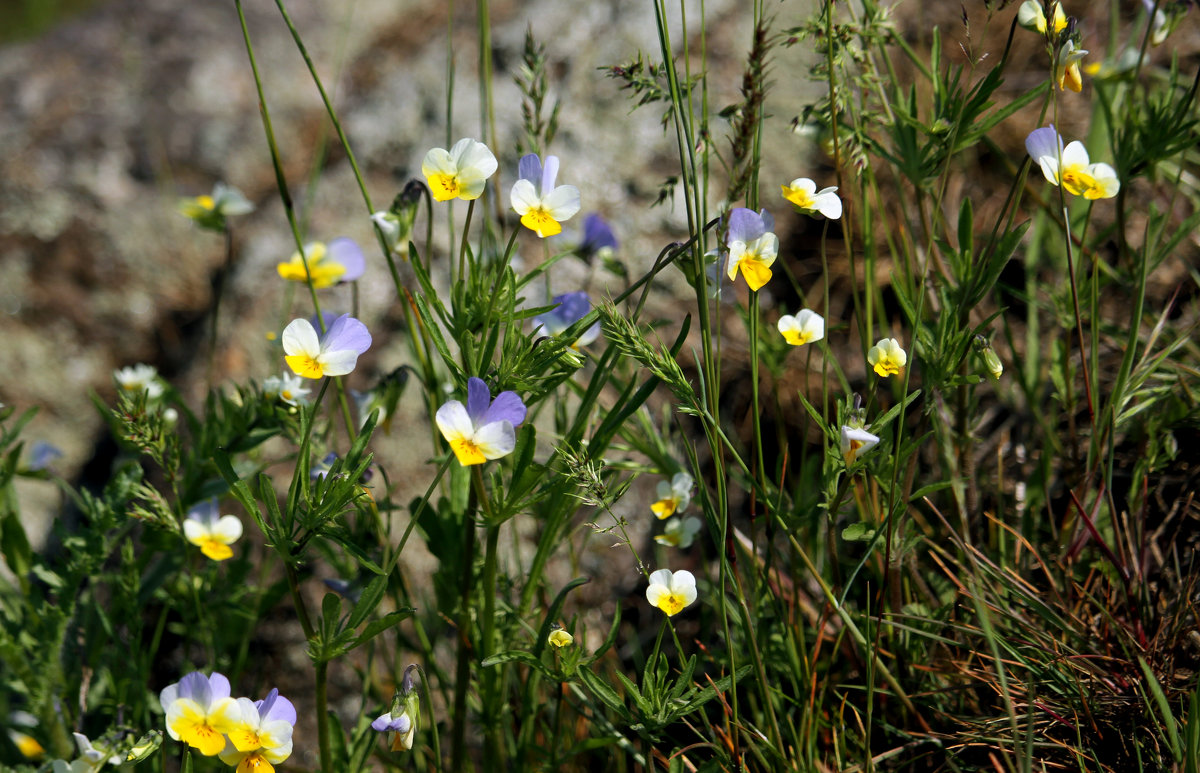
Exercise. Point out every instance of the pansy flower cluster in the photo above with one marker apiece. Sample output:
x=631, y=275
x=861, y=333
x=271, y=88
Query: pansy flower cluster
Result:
x=247, y=735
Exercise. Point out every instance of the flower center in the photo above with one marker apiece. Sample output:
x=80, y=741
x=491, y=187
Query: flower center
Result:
x=467, y=452
x=671, y=604
x=664, y=508
x=1076, y=180
x=755, y=270
x=304, y=366
x=540, y=222
x=214, y=549
x=444, y=186
x=799, y=197
x=255, y=762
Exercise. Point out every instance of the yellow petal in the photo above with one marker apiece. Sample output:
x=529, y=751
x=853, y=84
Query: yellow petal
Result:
x=304, y=366
x=467, y=452
x=217, y=551
x=755, y=272
x=539, y=221
x=664, y=508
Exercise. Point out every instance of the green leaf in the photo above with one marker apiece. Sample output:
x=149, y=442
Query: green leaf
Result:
x=370, y=598
x=376, y=627
x=604, y=693
x=858, y=532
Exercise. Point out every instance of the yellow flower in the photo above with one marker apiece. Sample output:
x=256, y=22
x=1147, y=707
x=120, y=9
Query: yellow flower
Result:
x=752, y=246
x=804, y=328
x=804, y=194
x=671, y=591
x=1031, y=16
x=887, y=357
x=200, y=712
x=560, y=638
x=673, y=497
x=211, y=532
x=459, y=173
x=341, y=260
x=1067, y=75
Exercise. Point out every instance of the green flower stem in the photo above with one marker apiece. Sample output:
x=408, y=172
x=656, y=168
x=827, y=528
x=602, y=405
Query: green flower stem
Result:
x=493, y=745
x=322, y=699
x=462, y=674
x=462, y=249
x=754, y=406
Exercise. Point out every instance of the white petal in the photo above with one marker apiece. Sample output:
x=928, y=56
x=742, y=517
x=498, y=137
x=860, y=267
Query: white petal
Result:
x=438, y=161
x=562, y=203
x=496, y=440
x=194, y=531
x=229, y=529
x=1075, y=154
x=338, y=363
x=661, y=577
x=454, y=422
x=299, y=338
x=524, y=197
x=829, y=205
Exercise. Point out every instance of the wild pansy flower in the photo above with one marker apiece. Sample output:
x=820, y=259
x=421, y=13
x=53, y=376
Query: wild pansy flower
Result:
x=571, y=308
x=887, y=357
x=401, y=721
x=559, y=637
x=673, y=497
x=396, y=223
x=1067, y=74
x=671, y=591
x=200, y=712
x=803, y=193
x=458, y=173
x=855, y=441
x=542, y=205
x=139, y=378
x=804, y=328
x=598, y=237
x=210, y=211
x=1070, y=167
x=289, y=388
x=680, y=532
x=341, y=260
x=263, y=735
x=483, y=429
x=752, y=246
x=42, y=455
x=212, y=532
x=1032, y=16
x=334, y=354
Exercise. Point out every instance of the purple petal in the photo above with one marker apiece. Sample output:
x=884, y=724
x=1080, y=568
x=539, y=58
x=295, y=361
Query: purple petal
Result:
x=195, y=687
x=347, y=253
x=478, y=399
x=745, y=225
x=767, y=220
x=572, y=307
x=549, y=174
x=275, y=706
x=42, y=454
x=206, y=512
x=530, y=168
x=382, y=723
x=346, y=333
x=327, y=320
x=597, y=234
x=1044, y=142
x=506, y=407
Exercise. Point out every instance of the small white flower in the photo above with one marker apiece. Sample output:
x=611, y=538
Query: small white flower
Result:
x=855, y=441
x=139, y=378
x=804, y=194
x=804, y=328
x=680, y=532
x=673, y=497
x=671, y=591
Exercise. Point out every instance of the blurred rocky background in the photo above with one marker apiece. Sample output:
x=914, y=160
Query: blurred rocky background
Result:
x=114, y=111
